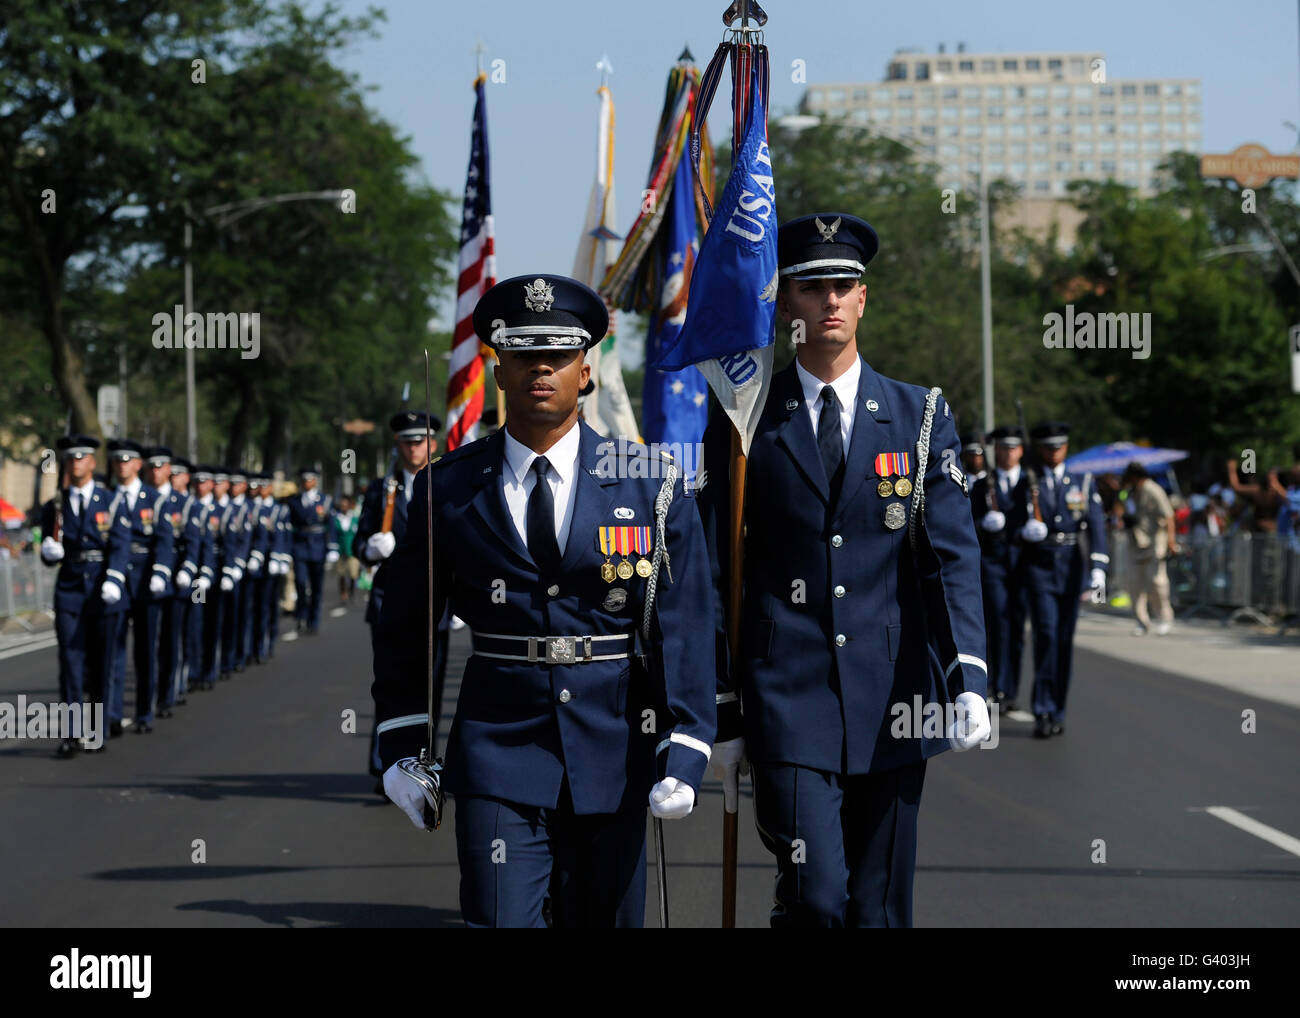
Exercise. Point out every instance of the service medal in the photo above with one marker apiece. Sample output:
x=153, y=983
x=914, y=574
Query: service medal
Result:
x=903, y=487
x=884, y=489
x=644, y=568
x=625, y=570
x=605, y=537
x=894, y=516
x=608, y=572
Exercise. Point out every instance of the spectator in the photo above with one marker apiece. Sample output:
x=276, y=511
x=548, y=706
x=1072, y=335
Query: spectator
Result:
x=1288, y=517
x=345, y=527
x=1154, y=540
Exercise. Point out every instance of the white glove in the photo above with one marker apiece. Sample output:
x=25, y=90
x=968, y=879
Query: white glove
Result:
x=1033, y=531
x=236, y=574
x=993, y=521
x=157, y=584
x=1098, y=586
x=330, y=558
x=275, y=568
x=727, y=762
x=406, y=792
x=227, y=584
x=110, y=592
x=971, y=725
x=203, y=583
x=380, y=545
x=670, y=799
x=254, y=567
x=183, y=580
x=51, y=550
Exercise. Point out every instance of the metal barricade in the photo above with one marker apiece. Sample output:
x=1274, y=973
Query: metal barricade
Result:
x=24, y=586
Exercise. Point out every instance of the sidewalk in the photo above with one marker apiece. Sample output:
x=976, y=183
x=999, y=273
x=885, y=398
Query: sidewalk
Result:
x=1239, y=657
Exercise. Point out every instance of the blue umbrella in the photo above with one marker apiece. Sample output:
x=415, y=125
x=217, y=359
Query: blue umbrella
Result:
x=1113, y=458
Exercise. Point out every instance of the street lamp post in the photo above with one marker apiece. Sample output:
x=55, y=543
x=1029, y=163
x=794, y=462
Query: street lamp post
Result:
x=224, y=214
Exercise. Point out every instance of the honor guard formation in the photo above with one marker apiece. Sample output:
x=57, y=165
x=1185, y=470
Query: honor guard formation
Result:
x=889, y=565
x=191, y=560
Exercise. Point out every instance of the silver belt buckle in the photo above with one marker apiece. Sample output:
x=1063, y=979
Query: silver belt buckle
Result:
x=560, y=650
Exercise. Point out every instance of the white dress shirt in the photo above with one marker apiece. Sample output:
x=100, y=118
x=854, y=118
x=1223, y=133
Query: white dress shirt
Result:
x=518, y=479
x=846, y=390
x=132, y=492
x=166, y=489
x=1008, y=479
x=408, y=479
x=80, y=497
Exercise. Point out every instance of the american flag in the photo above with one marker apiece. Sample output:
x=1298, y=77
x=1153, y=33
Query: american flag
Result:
x=477, y=272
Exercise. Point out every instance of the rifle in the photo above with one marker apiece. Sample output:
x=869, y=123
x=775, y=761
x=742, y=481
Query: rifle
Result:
x=390, y=486
x=57, y=532
x=1031, y=474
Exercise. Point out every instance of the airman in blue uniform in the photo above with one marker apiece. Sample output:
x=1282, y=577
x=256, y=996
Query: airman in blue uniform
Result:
x=147, y=587
x=170, y=475
x=280, y=566
x=85, y=537
x=263, y=567
x=314, y=546
x=862, y=640
x=1062, y=507
x=214, y=610
x=999, y=499
x=373, y=545
x=547, y=543
x=238, y=534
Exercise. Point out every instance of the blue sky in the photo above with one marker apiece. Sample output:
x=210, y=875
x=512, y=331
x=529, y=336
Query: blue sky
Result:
x=542, y=120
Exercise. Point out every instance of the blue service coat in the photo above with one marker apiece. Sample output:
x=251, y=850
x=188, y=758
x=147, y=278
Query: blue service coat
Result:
x=152, y=547
x=522, y=729
x=843, y=623
x=372, y=519
x=95, y=542
x=313, y=531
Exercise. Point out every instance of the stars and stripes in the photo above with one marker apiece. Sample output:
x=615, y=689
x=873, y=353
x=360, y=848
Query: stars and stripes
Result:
x=477, y=271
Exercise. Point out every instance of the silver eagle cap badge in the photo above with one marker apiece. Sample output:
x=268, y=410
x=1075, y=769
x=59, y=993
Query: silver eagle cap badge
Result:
x=538, y=295
x=827, y=232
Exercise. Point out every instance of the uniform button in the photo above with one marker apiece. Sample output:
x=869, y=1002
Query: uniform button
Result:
x=836, y=540
x=840, y=639
x=565, y=696
x=839, y=591
x=553, y=589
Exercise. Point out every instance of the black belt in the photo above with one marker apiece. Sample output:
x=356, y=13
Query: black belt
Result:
x=140, y=549
x=556, y=650
x=87, y=556
x=1060, y=539
x=315, y=528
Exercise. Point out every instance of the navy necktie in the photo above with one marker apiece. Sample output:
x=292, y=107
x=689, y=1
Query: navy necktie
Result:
x=829, y=442
x=540, y=520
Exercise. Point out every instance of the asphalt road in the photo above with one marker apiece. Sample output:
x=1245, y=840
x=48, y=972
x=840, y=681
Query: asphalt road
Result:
x=260, y=773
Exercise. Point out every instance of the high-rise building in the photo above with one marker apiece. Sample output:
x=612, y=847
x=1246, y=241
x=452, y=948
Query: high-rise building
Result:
x=1038, y=119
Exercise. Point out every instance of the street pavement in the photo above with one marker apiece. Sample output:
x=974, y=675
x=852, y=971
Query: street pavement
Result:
x=252, y=807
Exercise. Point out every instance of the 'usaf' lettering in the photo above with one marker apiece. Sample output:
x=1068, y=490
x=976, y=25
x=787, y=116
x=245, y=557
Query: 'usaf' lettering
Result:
x=755, y=202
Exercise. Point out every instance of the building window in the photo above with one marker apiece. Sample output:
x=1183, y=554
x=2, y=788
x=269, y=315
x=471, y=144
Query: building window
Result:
x=904, y=95
x=1016, y=92
x=1173, y=127
x=1016, y=131
x=951, y=131
x=1106, y=148
x=1151, y=127
x=1040, y=169
x=1083, y=148
x=1105, y=89
x=1150, y=89
x=993, y=92
x=973, y=151
x=1053, y=65
x=1128, y=90
x=1194, y=130
x=1014, y=113
x=948, y=112
x=1060, y=91
x=971, y=112
x=1128, y=128
x=1085, y=166
x=1150, y=109
x=993, y=112
x=905, y=112
x=928, y=131
x=1128, y=109
x=1010, y=65
x=896, y=72
x=1038, y=111
x=1193, y=89
x=1033, y=64
x=1128, y=148
x=1060, y=113
x=925, y=94
x=1064, y=166
x=1083, y=91
x=1017, y=170
x=1151, y=145
x=1173, y=90
x=1039, y=148
x=1108, y=166
x=1017, y=148
x=993, y=170
x=1083, y=129
x=1041, y=186
x=950, y=150
x=882, y=95
x=882, y=114
x=1128, y=166
x=950, y=92
x=1058, y=186
x=993, y=131
x=1171, y=110
x=996, y=149
x=988, y=66
x=1063, y=146
x=1107, y=129
x=922, y=71
x=972, y=131
x=970, y=92
x=1038, y=92
x=1042, y=129
x=1062, y=128
x=1079, y=111
x=924, y=113
x=966, y=66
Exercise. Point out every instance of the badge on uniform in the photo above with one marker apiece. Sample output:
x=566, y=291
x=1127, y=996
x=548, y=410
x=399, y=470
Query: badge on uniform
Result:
x=176, y=524
x=101, y=521
x=893, y=465
x=146, y=519
x=624, y=541
x=320, y=511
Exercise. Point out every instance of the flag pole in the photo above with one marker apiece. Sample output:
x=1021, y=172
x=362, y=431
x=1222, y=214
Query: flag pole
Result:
x=741, y=56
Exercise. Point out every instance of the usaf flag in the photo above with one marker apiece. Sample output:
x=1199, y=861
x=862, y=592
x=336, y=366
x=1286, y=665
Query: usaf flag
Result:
x=730, y=316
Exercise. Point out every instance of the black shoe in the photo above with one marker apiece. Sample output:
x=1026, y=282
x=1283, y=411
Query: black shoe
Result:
x=1042, y=727
x=142, y=728
x=379, y=789
x=224, y=677
x=301, y=628
x=1058, y=729
x=114, y=729
x=67, y=748
x=313, y=630
x=1001, y=699
x=166, y=712
x=240, y=667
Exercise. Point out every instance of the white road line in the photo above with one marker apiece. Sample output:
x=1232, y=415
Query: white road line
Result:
x=27, y=648
x=1270, y=834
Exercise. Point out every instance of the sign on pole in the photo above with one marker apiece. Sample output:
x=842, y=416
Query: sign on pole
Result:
x=109, y=408
x=1250, y=165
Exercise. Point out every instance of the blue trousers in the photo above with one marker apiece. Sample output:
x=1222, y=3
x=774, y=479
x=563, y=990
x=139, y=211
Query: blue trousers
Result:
x=513, y=856
x=845, y=845
x=308, y=578
x=193, y=670
x=171, y=650
x=232, y=626
x=263, y=587
x=1005, y=609
x=1055, y=581
x=213, y=612
x=80, y=635
x=275, y=591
